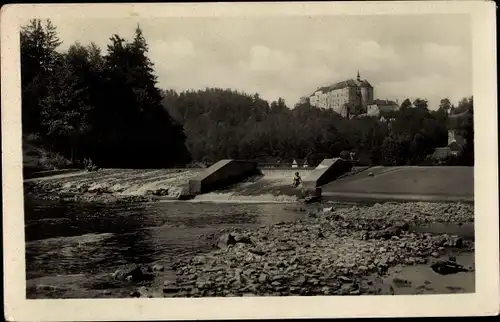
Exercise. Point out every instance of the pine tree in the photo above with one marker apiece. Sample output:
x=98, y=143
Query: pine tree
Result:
x=39, y=42
x=144, y=132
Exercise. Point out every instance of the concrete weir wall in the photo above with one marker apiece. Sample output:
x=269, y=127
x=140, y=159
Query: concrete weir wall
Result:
x=327, y=171
x=220, y=174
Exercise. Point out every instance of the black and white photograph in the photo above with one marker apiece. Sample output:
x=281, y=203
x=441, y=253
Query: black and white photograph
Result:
x=207, y=151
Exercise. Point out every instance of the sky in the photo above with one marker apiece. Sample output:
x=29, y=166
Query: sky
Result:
x=425, y=56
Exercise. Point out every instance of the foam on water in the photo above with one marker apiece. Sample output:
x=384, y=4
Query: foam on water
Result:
x=173, y=181
x=72, y=240
x=234, y=198
x=273, y=186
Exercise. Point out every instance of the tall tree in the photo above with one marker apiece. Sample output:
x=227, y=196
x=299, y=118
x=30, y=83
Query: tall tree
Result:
x=39, y=41
x=445, y=105
x=66, y=108
x=406, y=104
x=134, y=105
x=421, y=104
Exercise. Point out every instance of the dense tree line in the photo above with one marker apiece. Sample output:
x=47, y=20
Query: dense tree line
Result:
x=83, y=103
x=88, y=105
x=221, y=123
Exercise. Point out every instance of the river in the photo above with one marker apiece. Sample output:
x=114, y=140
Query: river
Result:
x=73, y=248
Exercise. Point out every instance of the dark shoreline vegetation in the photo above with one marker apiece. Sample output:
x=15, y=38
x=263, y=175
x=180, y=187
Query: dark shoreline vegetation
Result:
x=85, y=104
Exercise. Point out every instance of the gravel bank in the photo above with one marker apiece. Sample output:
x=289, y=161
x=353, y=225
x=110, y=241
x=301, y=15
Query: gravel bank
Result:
x=331, y=252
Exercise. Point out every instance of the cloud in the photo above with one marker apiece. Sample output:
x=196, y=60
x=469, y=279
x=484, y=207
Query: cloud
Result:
x=263, y=59
x=401, y=55
x=172, y=55
x=450, y=56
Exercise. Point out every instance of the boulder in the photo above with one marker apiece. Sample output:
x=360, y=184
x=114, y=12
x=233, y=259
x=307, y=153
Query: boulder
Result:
x=130, y=272
x=447, y=267
x=140, y=292
x=225, y=241
x=387, y=233
x=257, y=251
x=243, y=239
x=158, y=268
x=262, y=278
x=456, y=242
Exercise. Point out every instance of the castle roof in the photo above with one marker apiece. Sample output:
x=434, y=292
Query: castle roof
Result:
x=344, y=84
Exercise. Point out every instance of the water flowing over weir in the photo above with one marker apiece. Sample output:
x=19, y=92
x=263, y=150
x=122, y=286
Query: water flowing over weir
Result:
x=269, y=186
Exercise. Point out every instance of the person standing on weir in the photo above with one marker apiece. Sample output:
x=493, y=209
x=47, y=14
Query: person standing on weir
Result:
x=297, y=180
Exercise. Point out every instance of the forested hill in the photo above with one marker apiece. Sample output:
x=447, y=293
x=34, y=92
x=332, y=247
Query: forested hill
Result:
x=221, y=123
x=83, y=103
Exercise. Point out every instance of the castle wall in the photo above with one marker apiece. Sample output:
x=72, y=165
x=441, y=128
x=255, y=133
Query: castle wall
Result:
x=338, y=98
x=366, y=97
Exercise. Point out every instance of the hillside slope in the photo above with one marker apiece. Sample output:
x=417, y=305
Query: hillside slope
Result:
x=36, y=158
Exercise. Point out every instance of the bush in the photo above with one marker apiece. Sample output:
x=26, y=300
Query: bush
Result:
x=32, y=137
x=52, y=161
x=345, y=155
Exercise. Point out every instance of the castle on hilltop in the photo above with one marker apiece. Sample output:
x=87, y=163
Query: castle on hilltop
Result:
x=349, y=97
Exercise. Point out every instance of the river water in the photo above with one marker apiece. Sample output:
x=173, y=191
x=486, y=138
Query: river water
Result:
x=72, y=248
x=69, y=239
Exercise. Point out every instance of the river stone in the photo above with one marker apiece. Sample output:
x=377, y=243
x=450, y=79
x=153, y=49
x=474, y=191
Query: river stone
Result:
x=143, y=292
x=355, y=292
x=410, y=261
x=345, y=279
x=135, y=294
x=158, y=268
x=457, y=242
x=225, y=241
x=130, y=272
x=244, y=239
x=448, y=267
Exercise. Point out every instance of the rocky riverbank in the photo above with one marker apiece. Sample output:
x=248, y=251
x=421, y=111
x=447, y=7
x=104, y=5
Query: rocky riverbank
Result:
x=330, y=252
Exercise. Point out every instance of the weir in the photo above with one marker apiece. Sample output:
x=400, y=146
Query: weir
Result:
x=266, y=184
x=327, y=171
x=224, y=181
x=220, y=174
